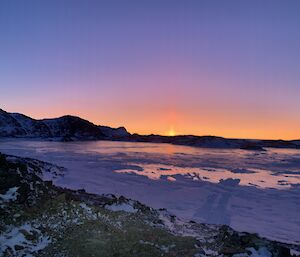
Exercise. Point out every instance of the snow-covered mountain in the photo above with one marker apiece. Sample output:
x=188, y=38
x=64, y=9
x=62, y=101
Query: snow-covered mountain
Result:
x=63, y=128
x=69, y=128
x=113, y=133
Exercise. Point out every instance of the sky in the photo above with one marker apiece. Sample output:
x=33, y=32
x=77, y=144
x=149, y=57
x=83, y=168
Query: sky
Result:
x=226, y=68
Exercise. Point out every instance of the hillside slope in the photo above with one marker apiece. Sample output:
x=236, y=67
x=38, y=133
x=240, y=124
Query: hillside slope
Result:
x=40, y=219
x=65, y=128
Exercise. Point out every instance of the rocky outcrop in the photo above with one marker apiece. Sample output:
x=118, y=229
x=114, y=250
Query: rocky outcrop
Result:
x=65, y=128
x=202, y=141
x=114, y=133
x=70, y=128
x=39, y=219
x=73, y=127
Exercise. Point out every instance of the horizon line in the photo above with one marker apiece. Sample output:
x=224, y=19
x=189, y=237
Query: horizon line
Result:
x=162, y=135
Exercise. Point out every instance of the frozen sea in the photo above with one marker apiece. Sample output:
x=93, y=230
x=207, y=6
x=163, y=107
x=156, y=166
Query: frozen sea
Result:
x=248, y=190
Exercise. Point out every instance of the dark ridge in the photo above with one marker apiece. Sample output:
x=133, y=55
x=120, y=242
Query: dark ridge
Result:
x=72, y=128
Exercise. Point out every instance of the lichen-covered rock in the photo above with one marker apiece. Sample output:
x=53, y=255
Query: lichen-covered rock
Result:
x=40, y=219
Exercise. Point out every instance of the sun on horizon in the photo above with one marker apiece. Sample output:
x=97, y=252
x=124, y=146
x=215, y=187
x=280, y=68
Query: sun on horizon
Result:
x=171, y=132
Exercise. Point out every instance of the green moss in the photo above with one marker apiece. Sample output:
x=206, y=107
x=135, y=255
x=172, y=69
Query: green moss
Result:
x=77, y=228
x=96, y=238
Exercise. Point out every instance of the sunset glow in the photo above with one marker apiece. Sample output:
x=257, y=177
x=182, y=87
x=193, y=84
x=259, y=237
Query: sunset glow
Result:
x=171, y=132
x=170, y=128
x=206, y=68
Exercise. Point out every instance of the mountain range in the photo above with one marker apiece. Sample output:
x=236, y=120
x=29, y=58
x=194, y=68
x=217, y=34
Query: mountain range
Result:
x=65, y=128
x=72, y=128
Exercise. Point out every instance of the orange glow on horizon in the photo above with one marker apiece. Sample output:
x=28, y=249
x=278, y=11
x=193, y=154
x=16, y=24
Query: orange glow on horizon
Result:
x=156, y=68
x=171, y=132
x=159, y=121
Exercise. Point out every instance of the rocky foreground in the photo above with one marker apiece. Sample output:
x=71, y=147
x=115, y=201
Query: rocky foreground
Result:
x=39, y=219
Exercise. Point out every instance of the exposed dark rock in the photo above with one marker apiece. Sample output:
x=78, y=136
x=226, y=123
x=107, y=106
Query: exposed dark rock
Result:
x=70, y=128
x=56, y=220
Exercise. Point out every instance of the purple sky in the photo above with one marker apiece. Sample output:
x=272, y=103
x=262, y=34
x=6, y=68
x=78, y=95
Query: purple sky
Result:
x=227, y=68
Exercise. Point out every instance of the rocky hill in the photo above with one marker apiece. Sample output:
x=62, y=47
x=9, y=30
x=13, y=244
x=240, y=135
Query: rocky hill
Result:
x=40, y=219
x=65, y=128
x=69, y=128
x=217, y=142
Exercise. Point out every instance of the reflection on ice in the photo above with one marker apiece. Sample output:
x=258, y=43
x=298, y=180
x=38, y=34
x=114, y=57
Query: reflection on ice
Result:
x=254, y=177
x=248, y=190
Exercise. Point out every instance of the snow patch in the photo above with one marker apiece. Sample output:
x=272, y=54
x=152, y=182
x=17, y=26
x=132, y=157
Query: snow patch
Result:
x=10, y=195
x=86, y=208
x=261, y=252
x=15, y=239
